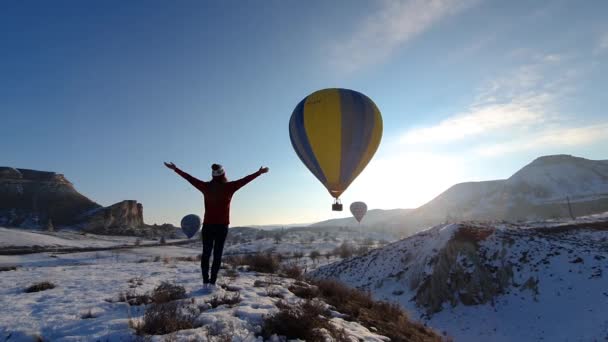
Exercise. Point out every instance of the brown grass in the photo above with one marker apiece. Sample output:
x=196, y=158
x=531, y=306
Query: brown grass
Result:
x=165, y=318
x=226, y=298
x=260, y=262
x=292, y=271
x=42, y=286
x=166, y=292
x=301, y=321
x=134, y=299
x=388, y=318
x=304, y=291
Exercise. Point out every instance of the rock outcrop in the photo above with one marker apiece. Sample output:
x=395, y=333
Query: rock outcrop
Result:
x=30, y=198
x=39, y=199
x=119, y=219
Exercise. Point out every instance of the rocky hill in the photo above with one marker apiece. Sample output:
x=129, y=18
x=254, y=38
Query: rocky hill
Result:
x=35, y=199
x=29, y=198
x=502, y=282
x=550, y=187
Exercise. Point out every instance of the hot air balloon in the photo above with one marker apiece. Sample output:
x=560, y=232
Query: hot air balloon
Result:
x=358, y=209
x=335, y=132
x=191, y=224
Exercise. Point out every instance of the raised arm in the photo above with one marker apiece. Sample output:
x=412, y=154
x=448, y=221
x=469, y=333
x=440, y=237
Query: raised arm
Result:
x=243, y=181
x=197, y=183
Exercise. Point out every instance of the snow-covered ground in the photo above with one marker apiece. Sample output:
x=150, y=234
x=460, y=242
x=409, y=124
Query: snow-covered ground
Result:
x=503, y=282
x=92, y=283
x=16, y=237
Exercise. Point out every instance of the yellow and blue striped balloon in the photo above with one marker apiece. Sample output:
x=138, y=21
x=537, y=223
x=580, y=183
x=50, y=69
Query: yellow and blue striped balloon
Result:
x=336, y=132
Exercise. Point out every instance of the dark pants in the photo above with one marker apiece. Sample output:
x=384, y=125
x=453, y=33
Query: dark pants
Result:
x=214, y=236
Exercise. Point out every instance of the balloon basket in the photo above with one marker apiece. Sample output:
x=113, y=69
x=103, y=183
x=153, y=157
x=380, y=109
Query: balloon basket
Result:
x=337, y=206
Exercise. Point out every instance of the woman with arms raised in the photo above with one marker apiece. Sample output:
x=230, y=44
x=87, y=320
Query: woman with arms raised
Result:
x=217, y=193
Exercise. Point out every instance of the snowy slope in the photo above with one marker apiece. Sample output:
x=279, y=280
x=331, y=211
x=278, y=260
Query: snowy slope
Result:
x=552, y=178
x=495, y=282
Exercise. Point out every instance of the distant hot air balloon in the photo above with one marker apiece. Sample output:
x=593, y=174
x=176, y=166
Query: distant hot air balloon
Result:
x=358, y=209
x=335, y=132
x=191, y=224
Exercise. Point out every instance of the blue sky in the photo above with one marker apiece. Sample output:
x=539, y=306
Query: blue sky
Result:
x=105, y=91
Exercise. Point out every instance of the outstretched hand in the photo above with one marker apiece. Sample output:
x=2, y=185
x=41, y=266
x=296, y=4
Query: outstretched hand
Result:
x=263, y=170
x=171, y=166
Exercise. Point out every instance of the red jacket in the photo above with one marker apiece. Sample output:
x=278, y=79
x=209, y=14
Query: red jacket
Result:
x=217, y=196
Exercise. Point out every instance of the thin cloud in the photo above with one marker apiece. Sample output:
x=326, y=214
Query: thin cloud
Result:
x=393, y=26
x=557, y=137
x=517, y=112
x=480, y=120
x=520, y=99
x=602, y=45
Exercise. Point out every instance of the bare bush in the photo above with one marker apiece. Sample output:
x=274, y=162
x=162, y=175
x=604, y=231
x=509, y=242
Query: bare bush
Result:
x=292, y=271
x=166, y=292
x=304, y=321
x=42, y=286
x=88, y=315
x=304, y=290
x=135, y=282
x=263, y=263
x=165, y=318
x=344, y=251
x=388, y=318
x=231, y=273
x=226, y=298
x=314, y=255
x=134, y=299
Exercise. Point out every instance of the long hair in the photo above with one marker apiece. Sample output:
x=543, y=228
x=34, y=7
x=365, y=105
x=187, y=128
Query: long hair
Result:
x=219, y=179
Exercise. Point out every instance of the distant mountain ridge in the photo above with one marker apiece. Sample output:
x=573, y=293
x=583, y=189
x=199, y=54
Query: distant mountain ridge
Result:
x=540, y=190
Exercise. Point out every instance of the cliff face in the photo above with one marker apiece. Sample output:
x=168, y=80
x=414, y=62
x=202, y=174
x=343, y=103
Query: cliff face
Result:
x=29, y=198
x=120, y=218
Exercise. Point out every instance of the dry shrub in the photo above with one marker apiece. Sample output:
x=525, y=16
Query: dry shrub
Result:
x=165, y=318
x=259, y=262
x=88, y=315
x=134, y=299
x=42, y=286
x=388, y=318
x=166, y=292
x=303, y=321
x=189, y=258
x=263, y=263
x=226, y=298
x=231, y=273
x=304, y=291
x=344, y=251
x=135, y=282
x=292, y=271
x=234, y=260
